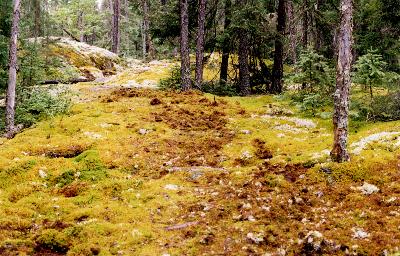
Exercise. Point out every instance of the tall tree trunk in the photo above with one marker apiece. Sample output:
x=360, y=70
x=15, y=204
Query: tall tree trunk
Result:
x=12, y=74
x=244, y=74
x=292, y=31
x=37, y=11
x=343, y=81
x=185, y=58
x=81, y=26
x=150, y=51
x=201, y=21
x=318, y=25
x=115, y=27
x=305, y=24
x=277, y=72
x=226, y=44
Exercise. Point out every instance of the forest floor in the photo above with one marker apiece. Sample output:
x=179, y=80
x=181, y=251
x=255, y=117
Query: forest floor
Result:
x=138, y=171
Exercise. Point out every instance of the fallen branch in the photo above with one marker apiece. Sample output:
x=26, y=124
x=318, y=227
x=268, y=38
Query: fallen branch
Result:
x=181, y=226
x=72, y=81
x=71, y=35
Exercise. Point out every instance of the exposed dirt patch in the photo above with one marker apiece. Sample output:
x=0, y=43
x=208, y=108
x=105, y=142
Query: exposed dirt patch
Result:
x=278, y=208
x=70, y=151
x=262, y=151
x=73, y=190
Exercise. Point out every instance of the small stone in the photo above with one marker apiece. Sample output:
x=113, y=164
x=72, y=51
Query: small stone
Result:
x=245, y=132
x=368, y=189
x=246, y=206
x=360, y=233
x=42, y=174
x=246, y=155
x=143, y=131
x=255, y=238
x=251, y=218
x=171, y=187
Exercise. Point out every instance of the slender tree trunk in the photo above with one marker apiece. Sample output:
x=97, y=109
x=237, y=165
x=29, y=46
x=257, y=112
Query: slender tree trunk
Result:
x=115, y=27
x=277, y=72
x=318, y=26
x=343, y=81
x=201, y=21
x=12, y=74
x=305, y=24
x=81, y=26
x=185, y=58
x=150, y=51
x=244, y=74
x=292, y=31
x=226, y=45
x=37, y=10
x=144, y=51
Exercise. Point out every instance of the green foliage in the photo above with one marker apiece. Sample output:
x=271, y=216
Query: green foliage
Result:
x=220, y=88
x=53, y=240
x=173, y=81
x=5, y=11
x=378, y=28
x=91, y=167
x=38, y=103
x=314, y=73
x=370, y=69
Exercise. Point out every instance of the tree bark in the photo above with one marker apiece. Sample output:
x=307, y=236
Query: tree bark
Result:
x=343, y=81
x=305, y=24
x=37, y=10
x=186, y=82
x=277, y=72
x=244, y=74
x=150, y=51
x=12, y=74
x=318, y=25
x=115, y=27
x=292, y=31
x=226, y=44
x=201, y=21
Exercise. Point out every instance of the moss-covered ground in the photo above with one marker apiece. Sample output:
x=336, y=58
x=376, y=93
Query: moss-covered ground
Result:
x=147, y=172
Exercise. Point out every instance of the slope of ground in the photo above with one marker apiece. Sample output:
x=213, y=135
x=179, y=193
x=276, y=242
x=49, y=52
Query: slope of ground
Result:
x=134, y=171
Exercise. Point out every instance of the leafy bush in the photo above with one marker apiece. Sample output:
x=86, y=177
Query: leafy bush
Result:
x=173, y=82
x=386, y=108
x=314, y=73
x=220, y=88
x=40, y=103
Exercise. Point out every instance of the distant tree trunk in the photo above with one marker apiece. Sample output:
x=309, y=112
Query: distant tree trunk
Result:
x=201, y=21
x=226, y=45
x=343, y=81
x=292, y=31
x=318, y=26
x=81, y=26
x=144, y=51
x=277, y=72
x=150, y=51
x=12, y=74
x=115, y=27
x=37, y=10
x=244, y=74
x=305, y=24
x=184, y=38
